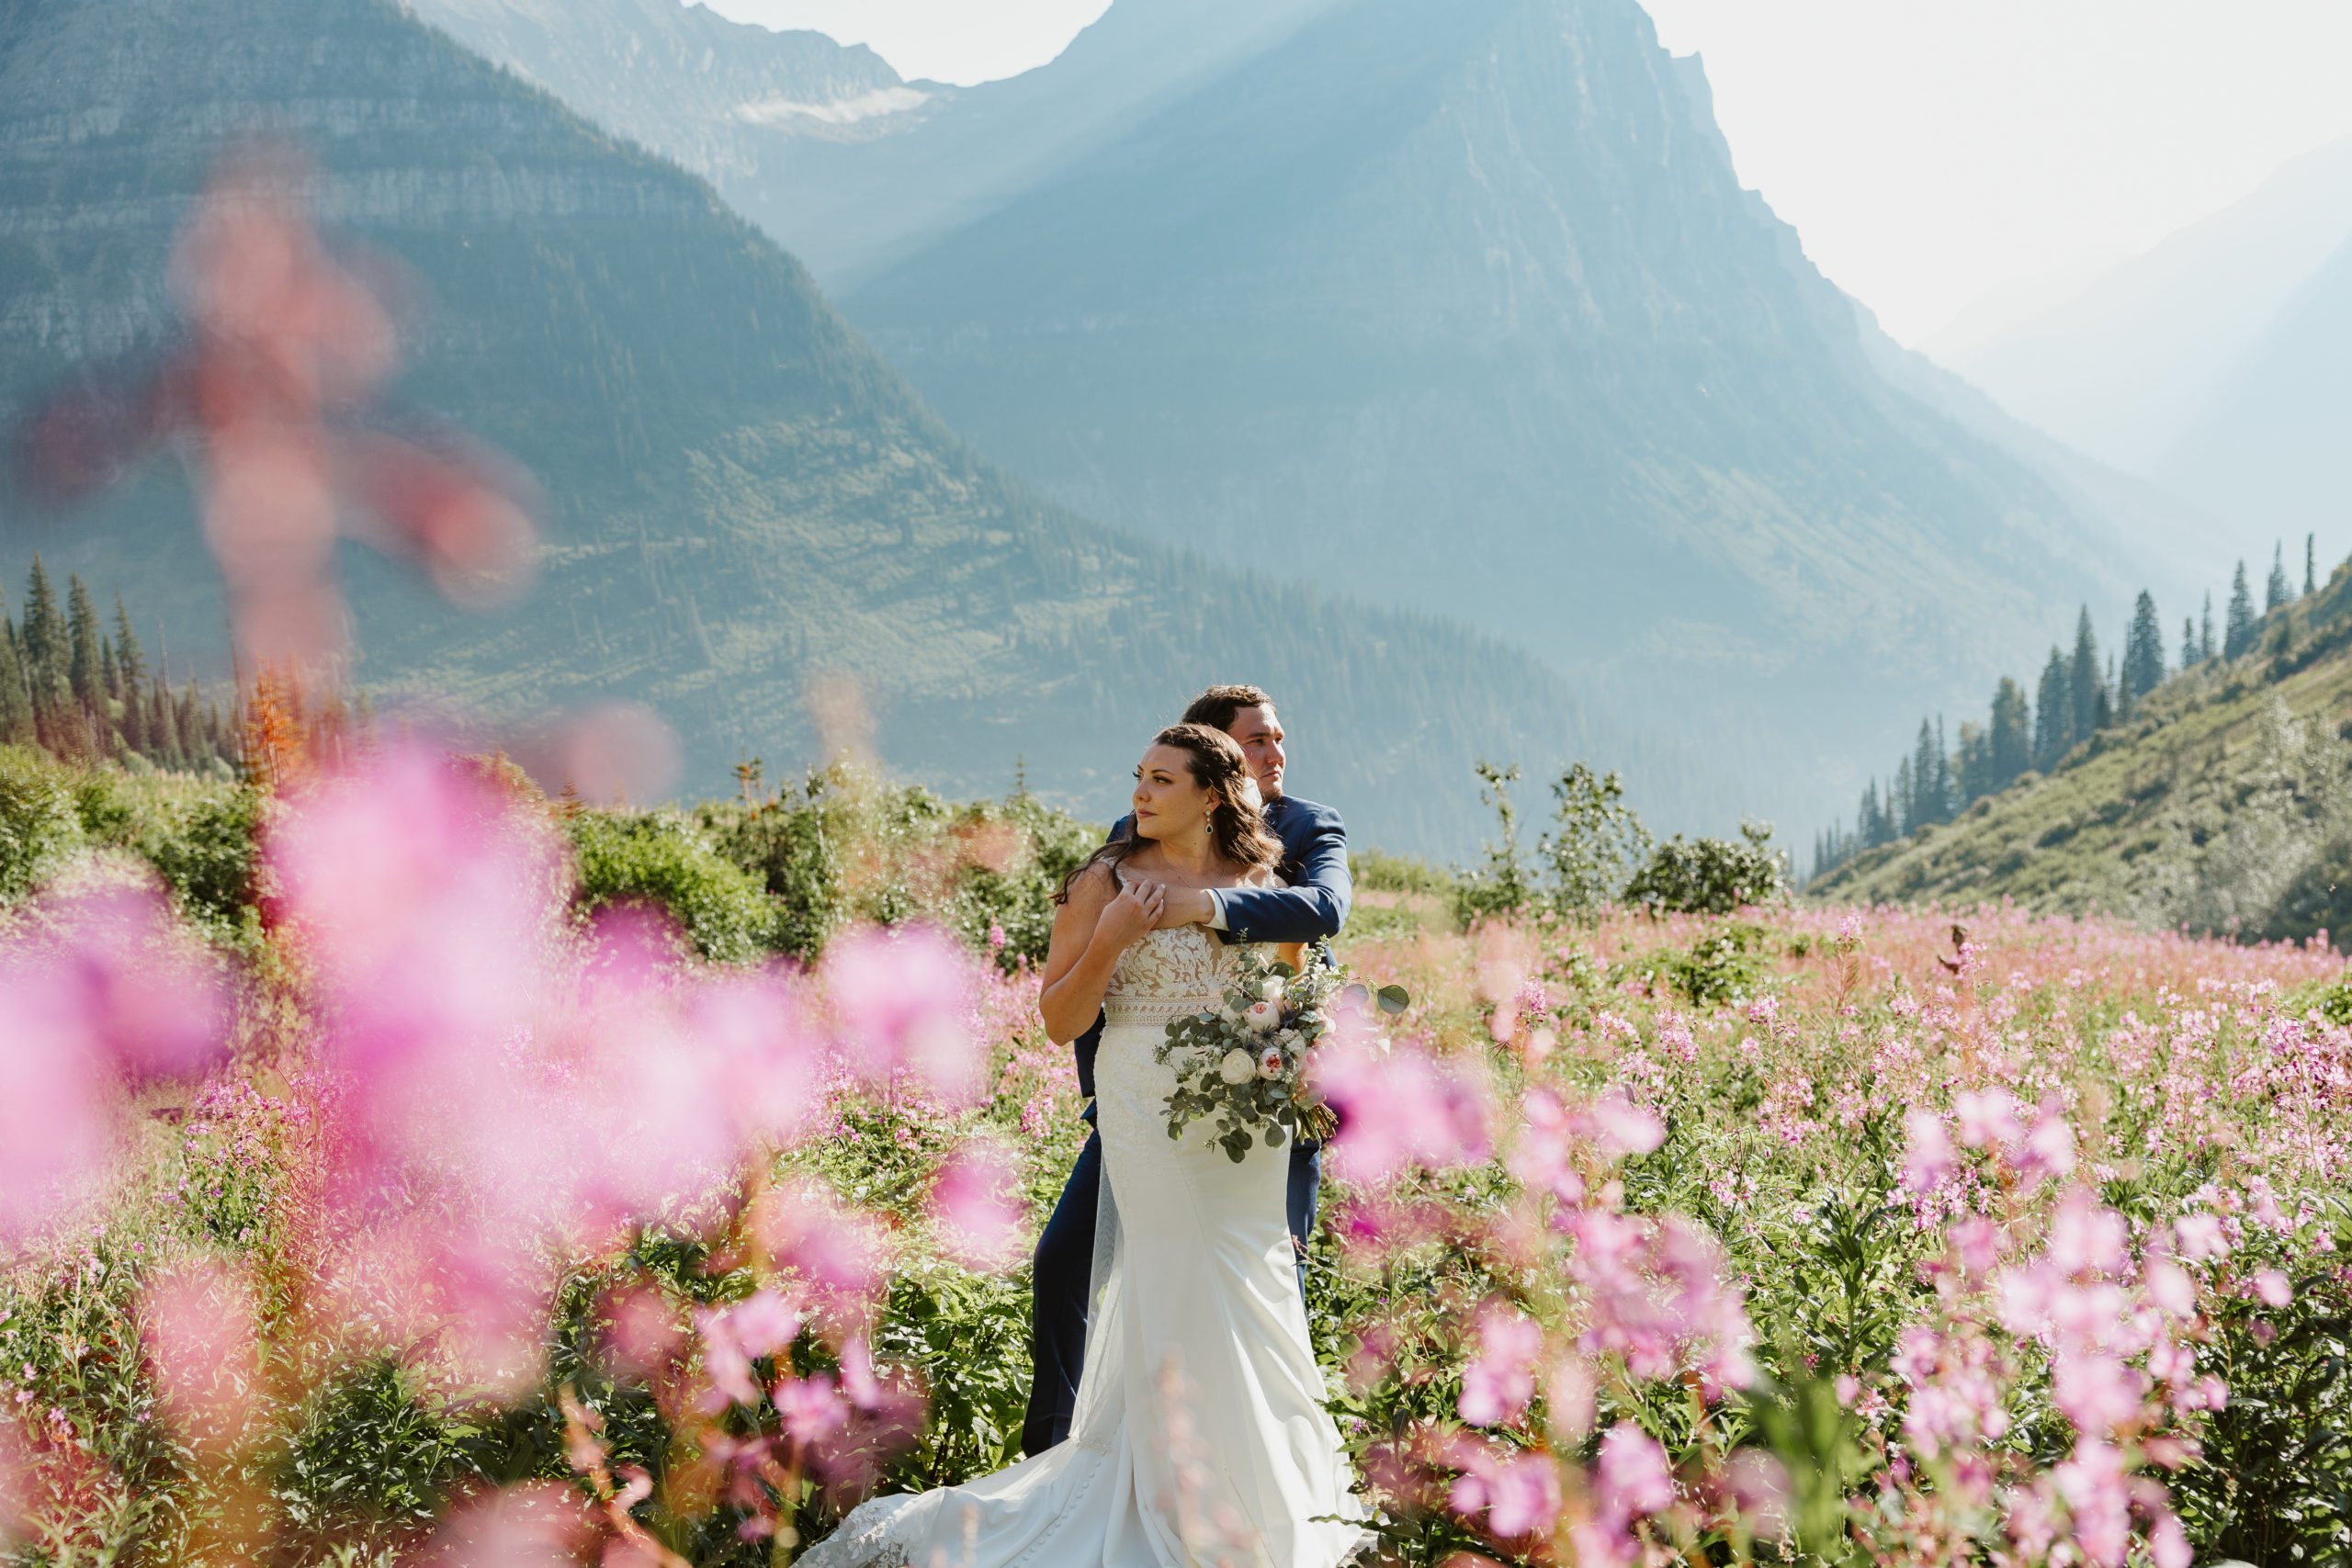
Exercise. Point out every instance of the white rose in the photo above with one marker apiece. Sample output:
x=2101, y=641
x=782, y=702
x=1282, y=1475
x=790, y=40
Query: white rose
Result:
x=1271, y=988
x=1259, y=1016
x=1269, y=1063
x=1236, y=1066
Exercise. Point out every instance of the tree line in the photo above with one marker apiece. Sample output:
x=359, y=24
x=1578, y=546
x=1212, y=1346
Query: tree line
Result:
x=2080, y=692
x=72, y=687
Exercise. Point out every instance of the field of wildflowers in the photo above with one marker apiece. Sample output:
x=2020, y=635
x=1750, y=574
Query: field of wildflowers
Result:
x=447, y=1212
x=398, y=1166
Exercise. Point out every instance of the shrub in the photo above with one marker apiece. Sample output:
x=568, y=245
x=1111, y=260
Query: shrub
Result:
x=658, y=857
x=1711, y=876
x=40, y=820
x=1596, y=842
x=848, y=845
x=204, y=847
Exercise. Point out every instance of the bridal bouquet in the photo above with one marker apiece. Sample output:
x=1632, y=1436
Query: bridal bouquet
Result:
x=1245, y=1062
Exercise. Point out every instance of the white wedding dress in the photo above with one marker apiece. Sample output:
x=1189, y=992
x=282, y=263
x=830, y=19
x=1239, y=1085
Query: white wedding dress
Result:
x=1199, y=1439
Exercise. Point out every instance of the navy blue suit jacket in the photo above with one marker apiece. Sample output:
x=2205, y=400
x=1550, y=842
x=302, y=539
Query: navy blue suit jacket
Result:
x=1312, y=909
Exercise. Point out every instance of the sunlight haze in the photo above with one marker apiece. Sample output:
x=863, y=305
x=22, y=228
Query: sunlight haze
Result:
x=1933, y=157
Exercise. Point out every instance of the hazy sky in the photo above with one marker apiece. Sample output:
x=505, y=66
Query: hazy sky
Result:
x=1929, y=151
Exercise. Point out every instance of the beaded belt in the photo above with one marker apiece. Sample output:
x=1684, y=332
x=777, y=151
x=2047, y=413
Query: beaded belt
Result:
x=1157, y=1009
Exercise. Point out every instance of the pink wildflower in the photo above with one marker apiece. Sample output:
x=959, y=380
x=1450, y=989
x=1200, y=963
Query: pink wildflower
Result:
x=1398, y=1108
x=1500, y=1380
x=906, y=1001
x=1520, y=1495
x=1988, y=1117
x=1928, y=1157
x=539, y=1524
x=975, y=1205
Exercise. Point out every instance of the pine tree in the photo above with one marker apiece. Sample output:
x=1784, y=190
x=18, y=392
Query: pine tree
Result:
x=162, y=727
x=1870, y=818
x=129, y=657
x=1971, y=765
x=2085, y=683
x=2205, y=642
x=2311, y=565
x=1903, y=801
x=2143, y=651
x=2275, y=592
x=1926, y=779
x=47, y=652
x=16, y=696
x=2009, y=746
x=2238, y=635
x=187, y=721
x=2053, y=713
x=130, y=674
x=1947, y=783
x=83, y=669
x=2189, y=655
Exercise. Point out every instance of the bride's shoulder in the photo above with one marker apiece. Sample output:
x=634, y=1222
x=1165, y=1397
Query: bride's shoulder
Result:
x=1094, y=887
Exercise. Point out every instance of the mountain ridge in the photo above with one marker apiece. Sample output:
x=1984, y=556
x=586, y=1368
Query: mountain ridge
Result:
x=1431, y=286
x=740, y=496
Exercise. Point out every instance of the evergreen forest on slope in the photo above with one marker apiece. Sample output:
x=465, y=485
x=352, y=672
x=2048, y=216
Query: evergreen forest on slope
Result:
x=2220, y=802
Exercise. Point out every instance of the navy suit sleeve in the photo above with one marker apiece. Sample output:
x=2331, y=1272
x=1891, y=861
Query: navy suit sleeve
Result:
x=1316, y=905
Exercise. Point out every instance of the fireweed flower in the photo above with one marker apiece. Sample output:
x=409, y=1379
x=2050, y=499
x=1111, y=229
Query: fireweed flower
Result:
x=975, y=1205
x=104, y=993
x=905, y=1002
x=1928, y=1157
x=1399, y=1107
x=196, y=1323
x=539, y=1524
x=1499, y=1383
x=1519, y=1491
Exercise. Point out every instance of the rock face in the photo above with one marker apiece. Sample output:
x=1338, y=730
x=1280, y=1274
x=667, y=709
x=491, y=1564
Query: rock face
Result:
x=831, y=153
x=740, y=496
x=1462, y=307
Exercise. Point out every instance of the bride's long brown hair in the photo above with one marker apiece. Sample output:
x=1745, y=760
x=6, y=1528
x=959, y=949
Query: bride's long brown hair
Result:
x=1238, y=831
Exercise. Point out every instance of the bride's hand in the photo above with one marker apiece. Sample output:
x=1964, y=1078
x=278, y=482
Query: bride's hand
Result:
x=1135, y=911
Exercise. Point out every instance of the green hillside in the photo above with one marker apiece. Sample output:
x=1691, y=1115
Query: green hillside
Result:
x=740, y=495
x=2223, y=804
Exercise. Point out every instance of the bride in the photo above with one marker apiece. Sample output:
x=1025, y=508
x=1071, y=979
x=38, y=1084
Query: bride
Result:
x=1200, y=1440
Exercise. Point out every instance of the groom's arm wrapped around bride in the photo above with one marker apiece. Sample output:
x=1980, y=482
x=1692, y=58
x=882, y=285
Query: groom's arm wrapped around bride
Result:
x=1312, y=909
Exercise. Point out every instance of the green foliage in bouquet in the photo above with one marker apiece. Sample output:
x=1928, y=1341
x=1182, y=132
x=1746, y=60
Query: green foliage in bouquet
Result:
x=1245, y=1062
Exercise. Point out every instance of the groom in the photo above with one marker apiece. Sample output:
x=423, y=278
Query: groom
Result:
x=1315, y=864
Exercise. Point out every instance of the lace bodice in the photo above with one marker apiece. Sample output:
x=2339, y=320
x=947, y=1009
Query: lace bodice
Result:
x=1166, y=973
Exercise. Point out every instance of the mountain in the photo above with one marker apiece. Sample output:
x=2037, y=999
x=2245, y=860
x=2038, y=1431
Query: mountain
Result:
x=740, y=496
x=826, y=148
x=1462, y=307
x=2223, y=804
x=2271, y=448
x=2165, y=365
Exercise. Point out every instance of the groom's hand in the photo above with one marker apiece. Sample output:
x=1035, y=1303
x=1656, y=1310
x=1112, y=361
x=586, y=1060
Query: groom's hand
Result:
x=1187, y=907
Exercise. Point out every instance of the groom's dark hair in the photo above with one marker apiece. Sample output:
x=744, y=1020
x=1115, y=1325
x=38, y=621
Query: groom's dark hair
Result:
x=1216, y=706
